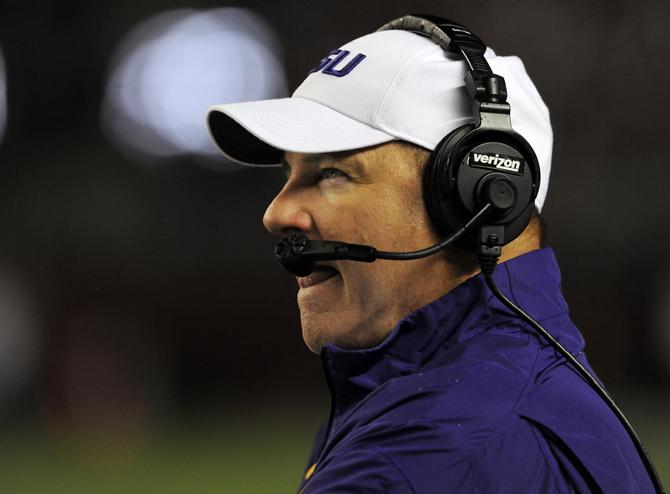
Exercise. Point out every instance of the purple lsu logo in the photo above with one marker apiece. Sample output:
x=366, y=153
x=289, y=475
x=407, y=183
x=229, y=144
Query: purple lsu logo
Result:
x=328, y=64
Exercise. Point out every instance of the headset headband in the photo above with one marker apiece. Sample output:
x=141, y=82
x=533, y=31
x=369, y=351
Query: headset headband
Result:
x=483, y=85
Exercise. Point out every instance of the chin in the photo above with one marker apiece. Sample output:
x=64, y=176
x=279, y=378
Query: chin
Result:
x=316, y=333
x=319, y=331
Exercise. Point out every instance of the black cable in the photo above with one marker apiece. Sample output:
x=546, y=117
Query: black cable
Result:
x=487, y=269
x=418, y=254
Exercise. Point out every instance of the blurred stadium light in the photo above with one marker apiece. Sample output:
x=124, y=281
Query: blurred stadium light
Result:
x=3, y=97
x=172, y=67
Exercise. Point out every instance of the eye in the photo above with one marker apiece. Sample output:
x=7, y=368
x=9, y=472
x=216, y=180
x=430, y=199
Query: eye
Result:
x=330, y=173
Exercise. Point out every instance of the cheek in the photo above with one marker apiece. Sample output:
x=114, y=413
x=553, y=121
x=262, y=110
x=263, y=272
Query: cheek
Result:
x=395, y=224
x=373, y=287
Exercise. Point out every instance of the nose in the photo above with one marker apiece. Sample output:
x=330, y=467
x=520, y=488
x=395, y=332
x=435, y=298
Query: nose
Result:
x=288, y=212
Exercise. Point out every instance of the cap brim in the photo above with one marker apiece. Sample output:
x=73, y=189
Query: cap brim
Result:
x=258, y=132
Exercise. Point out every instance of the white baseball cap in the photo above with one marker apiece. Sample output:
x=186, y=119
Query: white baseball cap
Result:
x=385, y=86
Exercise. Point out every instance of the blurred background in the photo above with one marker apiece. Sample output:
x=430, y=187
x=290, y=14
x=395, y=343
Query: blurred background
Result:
x=148, y=340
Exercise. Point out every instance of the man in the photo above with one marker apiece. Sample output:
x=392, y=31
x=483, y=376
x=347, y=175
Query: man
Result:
x=436, y=386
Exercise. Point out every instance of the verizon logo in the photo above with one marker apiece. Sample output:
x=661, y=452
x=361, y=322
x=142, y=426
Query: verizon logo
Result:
x=498, y=161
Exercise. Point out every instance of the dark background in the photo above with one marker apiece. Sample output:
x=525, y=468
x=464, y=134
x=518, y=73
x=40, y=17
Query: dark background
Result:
x=155, y=296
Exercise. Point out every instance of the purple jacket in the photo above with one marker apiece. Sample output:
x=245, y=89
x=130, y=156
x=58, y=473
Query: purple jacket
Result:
x=463, y=397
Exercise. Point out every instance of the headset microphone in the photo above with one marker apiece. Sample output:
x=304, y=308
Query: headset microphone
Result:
x=298, y=255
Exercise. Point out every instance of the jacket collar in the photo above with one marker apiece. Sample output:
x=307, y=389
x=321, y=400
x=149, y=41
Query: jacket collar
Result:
x=416, y=344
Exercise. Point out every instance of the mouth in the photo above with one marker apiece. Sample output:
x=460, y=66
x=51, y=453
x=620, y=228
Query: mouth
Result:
x=320, y=274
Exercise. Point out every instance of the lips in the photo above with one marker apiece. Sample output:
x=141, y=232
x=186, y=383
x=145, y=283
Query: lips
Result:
x=320, y=274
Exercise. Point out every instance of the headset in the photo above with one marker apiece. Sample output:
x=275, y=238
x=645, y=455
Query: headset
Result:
x=479, y=187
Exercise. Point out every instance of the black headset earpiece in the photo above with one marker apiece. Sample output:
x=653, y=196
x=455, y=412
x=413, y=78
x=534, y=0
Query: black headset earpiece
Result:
x=486, y=161
x=472, y=166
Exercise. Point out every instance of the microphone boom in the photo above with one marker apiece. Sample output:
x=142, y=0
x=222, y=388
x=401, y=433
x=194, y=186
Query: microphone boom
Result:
x=298, y=255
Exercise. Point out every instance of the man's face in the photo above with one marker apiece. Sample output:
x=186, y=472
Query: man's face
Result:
x=368, y=197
